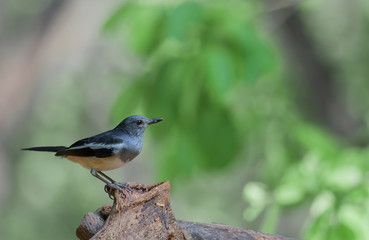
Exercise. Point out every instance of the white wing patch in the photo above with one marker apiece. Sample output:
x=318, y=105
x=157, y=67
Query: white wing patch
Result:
x=116, y=146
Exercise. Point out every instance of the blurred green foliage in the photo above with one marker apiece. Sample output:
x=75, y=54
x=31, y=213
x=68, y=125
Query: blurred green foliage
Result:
x=196, y=58
x=331, y=179
x=210, y=69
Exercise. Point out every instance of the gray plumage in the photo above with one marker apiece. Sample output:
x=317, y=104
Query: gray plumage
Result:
x=108, y=150
x=125, y=140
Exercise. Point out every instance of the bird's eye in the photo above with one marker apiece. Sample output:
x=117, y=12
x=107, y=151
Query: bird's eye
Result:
x=139, y=122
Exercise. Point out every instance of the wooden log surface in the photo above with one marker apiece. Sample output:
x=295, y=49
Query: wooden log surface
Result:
x=145, y=213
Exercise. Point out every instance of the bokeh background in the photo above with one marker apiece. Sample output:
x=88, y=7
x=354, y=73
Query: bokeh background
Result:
x=265, y=104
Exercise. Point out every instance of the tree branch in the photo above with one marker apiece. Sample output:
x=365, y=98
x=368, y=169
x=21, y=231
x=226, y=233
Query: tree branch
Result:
x=146, y=214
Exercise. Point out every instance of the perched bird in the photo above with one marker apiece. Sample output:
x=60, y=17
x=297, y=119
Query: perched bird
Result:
x=106, y=151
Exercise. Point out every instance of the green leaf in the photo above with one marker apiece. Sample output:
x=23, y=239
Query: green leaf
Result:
x=145, y=29
x=288, y=194
x=344, y=177
x=217, y=135
x=356, y=219
x=183, y=18
x=322, y=203
x=220, y=73
x=340, y=231
x=315, y=139
x=255, y=193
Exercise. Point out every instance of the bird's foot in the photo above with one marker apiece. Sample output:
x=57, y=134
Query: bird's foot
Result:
x=123, y=188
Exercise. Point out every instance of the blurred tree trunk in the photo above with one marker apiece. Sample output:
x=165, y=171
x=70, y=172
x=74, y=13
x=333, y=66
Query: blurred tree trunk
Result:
x=312, y=77
x=146, y=214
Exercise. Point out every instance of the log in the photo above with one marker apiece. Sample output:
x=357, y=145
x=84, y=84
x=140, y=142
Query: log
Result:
x=145, y=213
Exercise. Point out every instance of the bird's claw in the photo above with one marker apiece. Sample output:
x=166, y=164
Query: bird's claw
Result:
x=124, y=186
x=109, y=189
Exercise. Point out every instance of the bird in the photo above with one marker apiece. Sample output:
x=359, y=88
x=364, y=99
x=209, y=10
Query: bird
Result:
x=106, y=151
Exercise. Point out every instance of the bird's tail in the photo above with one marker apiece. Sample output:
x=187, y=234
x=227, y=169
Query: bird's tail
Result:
x=46, y=149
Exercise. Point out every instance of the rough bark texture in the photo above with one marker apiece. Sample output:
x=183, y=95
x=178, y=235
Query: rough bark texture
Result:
x=145, y=213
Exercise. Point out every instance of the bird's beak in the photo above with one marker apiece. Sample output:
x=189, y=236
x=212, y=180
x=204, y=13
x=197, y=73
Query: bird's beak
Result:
x=155, y=120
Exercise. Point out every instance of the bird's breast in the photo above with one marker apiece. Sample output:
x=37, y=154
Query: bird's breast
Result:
x=130, y=150
x=101, y=164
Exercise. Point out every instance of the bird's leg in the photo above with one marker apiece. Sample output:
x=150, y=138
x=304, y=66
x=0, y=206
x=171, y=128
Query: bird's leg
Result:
x=125, y=186
x=111, y=184
x=122, y=185
x=95, y=173
x=106, y=176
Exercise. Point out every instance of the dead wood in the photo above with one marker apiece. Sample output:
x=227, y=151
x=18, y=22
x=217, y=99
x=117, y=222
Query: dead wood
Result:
x=145, y=213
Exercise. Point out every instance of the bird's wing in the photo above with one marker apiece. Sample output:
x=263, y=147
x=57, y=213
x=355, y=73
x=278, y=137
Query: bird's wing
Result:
x=102, y=145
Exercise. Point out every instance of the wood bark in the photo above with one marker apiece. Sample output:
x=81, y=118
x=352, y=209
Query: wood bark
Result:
x=145, y=213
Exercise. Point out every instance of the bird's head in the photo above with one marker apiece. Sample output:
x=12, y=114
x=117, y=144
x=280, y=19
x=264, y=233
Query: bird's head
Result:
x=136, y=125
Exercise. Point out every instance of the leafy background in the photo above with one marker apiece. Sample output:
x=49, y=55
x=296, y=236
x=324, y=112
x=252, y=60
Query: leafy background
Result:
x=242, y=142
